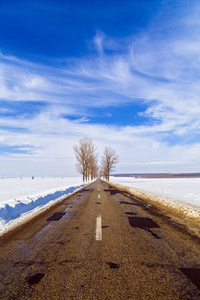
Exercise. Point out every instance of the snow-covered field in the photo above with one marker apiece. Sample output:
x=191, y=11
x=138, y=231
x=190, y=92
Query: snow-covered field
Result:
x=21, y=198
x=186, y=190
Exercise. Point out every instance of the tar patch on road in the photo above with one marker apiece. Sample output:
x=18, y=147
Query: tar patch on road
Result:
x=66, y=261
x=56, y=217
x=153, y=234
x=35, y=279
x=112, y=192
x=23, y=264
x=143, y=223
x=113, y=265
x=129, y=203
x=193, y=275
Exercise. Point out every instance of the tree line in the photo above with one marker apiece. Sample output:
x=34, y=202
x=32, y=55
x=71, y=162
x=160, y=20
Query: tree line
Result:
x=87, y=160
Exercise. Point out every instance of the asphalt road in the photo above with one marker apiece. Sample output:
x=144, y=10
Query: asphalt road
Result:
x=100, y=244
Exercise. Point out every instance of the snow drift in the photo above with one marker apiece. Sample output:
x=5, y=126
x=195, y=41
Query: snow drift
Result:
x=22, y=199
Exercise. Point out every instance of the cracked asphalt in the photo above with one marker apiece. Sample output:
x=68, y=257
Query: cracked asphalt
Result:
x=100, y=243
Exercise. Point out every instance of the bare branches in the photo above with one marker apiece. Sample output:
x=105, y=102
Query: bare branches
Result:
x=109, y=160
x=86, y=158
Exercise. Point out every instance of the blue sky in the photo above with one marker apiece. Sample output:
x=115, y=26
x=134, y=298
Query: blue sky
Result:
x=127, y=76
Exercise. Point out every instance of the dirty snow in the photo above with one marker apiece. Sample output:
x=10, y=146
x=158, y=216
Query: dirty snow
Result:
x=21, y=198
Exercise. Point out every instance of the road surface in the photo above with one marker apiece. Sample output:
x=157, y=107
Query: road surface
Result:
x=100, y=244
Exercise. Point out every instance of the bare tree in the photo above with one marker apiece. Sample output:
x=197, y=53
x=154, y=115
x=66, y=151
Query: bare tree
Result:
x=102, y=172
x=80, y=153
x=109, y=160
x=86, y=158
x=93, y=166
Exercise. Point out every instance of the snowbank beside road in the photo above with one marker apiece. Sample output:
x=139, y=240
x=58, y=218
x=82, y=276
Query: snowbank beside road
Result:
x=184, y=213
x=185, y=190
x=20, y=199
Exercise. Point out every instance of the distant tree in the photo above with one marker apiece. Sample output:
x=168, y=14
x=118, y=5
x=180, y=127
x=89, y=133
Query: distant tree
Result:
x=86, y=158
x=93, y=163
x=102, y=172
x=108, y=162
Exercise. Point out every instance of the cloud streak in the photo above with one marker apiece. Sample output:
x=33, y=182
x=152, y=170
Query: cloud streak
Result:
x=159, y=70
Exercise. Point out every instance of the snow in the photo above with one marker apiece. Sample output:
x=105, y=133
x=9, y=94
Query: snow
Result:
x=185, y=190
x=179, y=198
x=20, y=199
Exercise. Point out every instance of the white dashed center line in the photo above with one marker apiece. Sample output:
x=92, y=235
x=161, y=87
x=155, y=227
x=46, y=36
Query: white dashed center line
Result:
x=99, y=196
x=98, y=229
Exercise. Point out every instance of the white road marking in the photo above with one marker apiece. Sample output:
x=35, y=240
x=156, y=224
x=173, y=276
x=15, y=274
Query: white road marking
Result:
x=99, y=196
x=98, y=229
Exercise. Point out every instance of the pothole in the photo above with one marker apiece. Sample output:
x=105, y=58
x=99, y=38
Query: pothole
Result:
x=130, y=203
x=140, y=222
x=125, y=202
x=145, y=224
x=112, y=192
x=35, y=279
x=22, y=263
x=113, y=265
x=193, y=274
x=56, y=217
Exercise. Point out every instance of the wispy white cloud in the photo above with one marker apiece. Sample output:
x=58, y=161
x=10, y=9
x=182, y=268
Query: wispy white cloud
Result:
x=50, y=139
x=162, y=72
x=98, y=42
